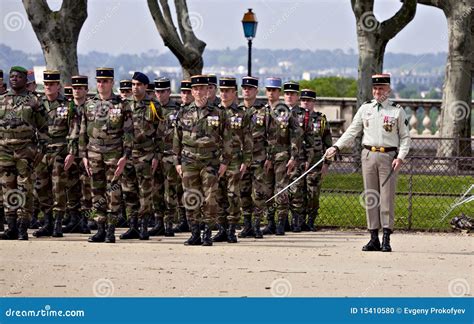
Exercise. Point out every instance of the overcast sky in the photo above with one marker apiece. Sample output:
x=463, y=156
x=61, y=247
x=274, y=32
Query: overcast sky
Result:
x=126, y=26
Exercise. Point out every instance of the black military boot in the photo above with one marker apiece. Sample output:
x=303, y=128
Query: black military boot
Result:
x=296, y=220
x=83, y=223
x=287, y=224
x=144, y=235
x=159, y=228
x=73, y=225
x=221, y=235
x=110, y=234
x=98, y=237
x=12, y=232
x=169, y=232
x=256, y=229
x=195, y=238
x=23, y=230
x=231, y=238
x=58, y=225
x=34, y=222
x=280, y=227
x=133, y=232
x=247, y=231
x=183, y=225
x=374, y=243
x=386, y=240
x=271, y=227
x=311, y=219
x=92, y=224
x=2, y=219
x=304, y=225
x=206, y=236
x=47, y=229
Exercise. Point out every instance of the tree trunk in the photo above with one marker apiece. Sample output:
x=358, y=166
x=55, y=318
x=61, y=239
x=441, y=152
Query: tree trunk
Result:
x=373, y=37
x=58, y=32
x=187, y=48
x=457, y=88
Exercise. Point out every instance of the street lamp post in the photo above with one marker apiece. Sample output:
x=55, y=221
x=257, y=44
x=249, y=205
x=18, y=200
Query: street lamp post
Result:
x=249, y=22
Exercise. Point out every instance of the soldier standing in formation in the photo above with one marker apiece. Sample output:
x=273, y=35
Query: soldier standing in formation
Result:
x=212, y=91
x=386, y=141
x=125, y=88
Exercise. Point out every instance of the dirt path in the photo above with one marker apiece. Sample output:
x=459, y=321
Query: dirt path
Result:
x=325, y=263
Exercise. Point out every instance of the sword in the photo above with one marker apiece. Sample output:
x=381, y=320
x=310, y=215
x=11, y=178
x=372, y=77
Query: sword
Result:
x=388, y=177
x=297, y=179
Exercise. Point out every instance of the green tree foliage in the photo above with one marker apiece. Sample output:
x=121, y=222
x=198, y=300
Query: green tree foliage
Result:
x=331, y=86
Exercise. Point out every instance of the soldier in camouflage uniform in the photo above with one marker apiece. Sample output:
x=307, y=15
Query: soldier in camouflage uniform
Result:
x=125, y=88
x=317, y=138
x=51, y=176
x=150, y=90
x=2, y=211
x=137, y=180
x=23, y=125
x=297, y=191
x=80, y=182
x=284, y=138
x=170, y=108
x=105, y=144
x=186, y=100
x=68, y=92
x=202, y=147
x=241, y=143
x=212, y=97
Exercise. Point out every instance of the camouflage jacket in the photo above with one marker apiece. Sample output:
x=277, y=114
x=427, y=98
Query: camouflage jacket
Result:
x=202, y=134
x=259, y=117
x=22, y=119
x=106, y=126
x=241, y=142
x=170, y=114
x=148, y=126
x=284, y=134
x=317, y=137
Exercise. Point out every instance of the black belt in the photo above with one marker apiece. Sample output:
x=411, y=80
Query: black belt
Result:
x=380, y=149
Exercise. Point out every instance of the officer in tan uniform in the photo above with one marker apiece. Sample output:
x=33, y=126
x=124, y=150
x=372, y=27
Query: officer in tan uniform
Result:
x=386, y=142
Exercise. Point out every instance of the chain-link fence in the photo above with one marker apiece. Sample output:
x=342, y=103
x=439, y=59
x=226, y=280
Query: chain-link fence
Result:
x=428, y=188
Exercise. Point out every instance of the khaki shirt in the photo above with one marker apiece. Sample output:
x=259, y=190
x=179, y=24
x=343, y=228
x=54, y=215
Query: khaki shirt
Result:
x=385, y=126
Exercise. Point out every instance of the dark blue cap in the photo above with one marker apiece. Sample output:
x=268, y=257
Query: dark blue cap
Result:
x=140, y=77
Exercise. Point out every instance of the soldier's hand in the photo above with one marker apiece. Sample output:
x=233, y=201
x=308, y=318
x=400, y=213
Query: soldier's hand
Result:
x=222, y=169
x=154, y=165
x=267, y=166
x=68, y=161
x=331, y=152
x=88, y=169
x=120, y=166
x=324, y=170
x=290, y=166
x=243, y=169
x=179, y=170
x=397, y=164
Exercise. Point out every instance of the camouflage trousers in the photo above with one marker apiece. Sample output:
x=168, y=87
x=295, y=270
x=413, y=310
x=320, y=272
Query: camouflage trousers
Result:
x=171, y=188
x=313, y=189
x=16, y=180
x=200, y=184
x=159, y=193
x=229, y=201
x=297, y=192
x=256, y=186
x=106, y=196
x=137, y=185
x=53, y=183
x=86, y=190
x=282, y=179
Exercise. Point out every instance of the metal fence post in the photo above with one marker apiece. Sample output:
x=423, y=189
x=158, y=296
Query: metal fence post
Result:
x=410, y=194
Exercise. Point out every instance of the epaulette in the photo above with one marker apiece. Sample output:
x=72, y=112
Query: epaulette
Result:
x=367, y=102
x=393, y=104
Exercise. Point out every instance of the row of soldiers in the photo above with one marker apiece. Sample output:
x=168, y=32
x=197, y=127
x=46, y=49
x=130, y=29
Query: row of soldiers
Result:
x=208, y=160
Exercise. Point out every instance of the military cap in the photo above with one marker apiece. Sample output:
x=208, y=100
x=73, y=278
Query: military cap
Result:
x=51, y=76
x=151, y=87
x=308, y=94
x=30, y=77
x=68, y=90
x=274, y=83
x=212, y=79
x=291, y=86
x=141, y=77
x=125, y=85
x=380, y=79
x=18, y=69
x=1, y=74
x=104, y=73
x=185, y=85
x=199, y=80
x=80, y=80
x=250, y=82
x=162, y=84
x=227, y=83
